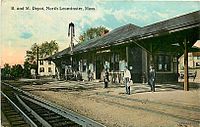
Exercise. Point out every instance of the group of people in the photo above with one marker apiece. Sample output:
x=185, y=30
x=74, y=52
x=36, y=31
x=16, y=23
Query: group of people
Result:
x=128, y=80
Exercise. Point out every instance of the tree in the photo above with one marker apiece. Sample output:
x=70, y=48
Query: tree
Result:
x=16, y=71
x=31, y=54
x=27, y=70
x=5, y=72
x=48, y=49
x=44, y=50
x=93, y=33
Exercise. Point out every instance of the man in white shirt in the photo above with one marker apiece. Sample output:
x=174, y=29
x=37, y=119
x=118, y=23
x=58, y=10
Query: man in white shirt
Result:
x=127, y=78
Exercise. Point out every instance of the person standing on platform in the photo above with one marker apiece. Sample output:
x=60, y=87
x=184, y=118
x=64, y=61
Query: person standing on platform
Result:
x=152, y=77
x=127, y=78
x=88, y=74
x=106, y=78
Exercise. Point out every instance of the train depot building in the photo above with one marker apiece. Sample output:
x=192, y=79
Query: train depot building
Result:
x=159, y=44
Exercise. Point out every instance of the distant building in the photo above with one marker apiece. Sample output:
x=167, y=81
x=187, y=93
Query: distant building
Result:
x=193, y=60
x=46, y=68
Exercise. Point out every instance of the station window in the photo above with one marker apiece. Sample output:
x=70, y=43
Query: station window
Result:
x=49, y=69
x=163, y=63
x=198, y=57
x=41, y=62
x=42, y=69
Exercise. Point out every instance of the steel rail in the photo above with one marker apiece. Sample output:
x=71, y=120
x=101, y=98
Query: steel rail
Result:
x=78, y=118
x=40, y=119
x=26, y=118
x=82, y=120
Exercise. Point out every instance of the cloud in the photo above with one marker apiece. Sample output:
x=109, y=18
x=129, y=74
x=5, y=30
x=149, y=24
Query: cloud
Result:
x=130, y=15
x=26, y=35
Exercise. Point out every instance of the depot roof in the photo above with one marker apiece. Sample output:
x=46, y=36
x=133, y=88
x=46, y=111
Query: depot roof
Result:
x=121, y=34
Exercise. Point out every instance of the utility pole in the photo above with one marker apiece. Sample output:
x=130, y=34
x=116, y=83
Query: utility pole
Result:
x=186, y=83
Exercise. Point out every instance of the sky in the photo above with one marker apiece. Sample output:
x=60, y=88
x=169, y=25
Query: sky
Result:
x=22, y=28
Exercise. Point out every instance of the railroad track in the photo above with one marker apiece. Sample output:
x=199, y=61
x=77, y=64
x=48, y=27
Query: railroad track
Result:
x=41, y=112
x=15, y=116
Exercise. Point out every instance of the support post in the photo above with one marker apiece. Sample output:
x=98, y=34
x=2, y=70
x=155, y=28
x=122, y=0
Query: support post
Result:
x=186, y=83
x=37, y=61
x=151, y=55
x=127, y=60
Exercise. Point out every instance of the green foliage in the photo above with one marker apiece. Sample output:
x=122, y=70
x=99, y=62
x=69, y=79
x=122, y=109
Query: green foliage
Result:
x=31, y=54
x=17, y=71
x=47, y=49
x=27, y=70
x=44, y=50
x=14, y=72
x=93, y=33
x=5, y=72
